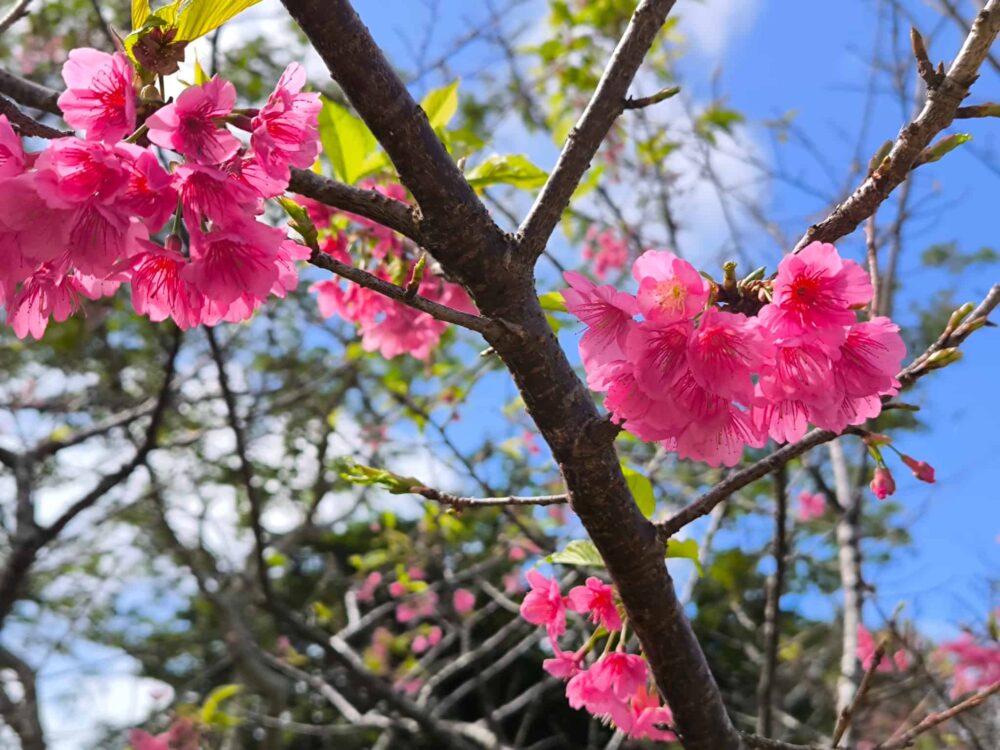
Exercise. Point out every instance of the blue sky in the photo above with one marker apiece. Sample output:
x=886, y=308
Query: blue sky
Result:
x=768, y=58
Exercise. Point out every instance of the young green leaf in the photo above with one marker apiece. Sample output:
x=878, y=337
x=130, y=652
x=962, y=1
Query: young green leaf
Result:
x=509, y=169
x=578, y=552
x=642, y=490
x=347, y=141
x=687, y=549
x=441, y=105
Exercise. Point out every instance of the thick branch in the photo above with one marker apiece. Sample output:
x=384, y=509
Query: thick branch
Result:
x=28, y=93
x=604, y=107
x=937, y=114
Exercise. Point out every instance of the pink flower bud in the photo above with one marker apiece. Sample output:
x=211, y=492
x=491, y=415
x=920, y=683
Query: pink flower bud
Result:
x=882, y=483
x=921, y=469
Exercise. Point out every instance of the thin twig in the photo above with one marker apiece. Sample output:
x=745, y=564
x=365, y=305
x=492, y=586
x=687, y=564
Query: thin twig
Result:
x=847, y=715
x=484, y=502
x=15, y=14
x=772, y=604
x=585, y=138
x=931, y=721
x=442, y=312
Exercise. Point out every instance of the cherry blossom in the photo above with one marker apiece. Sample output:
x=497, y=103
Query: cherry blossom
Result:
x=192, y=125
x=544, y=604
x=596, y=598
x=99, y=97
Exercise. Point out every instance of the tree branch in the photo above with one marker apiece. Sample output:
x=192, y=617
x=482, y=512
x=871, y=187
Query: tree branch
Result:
x=370, y=204
x=28, y=93
x=937, y=114
x=476, y=323
x=772, y=605
x=906, y=739
x=606, y=104
x=456, y=501
x=847, y=715
x=15, y=14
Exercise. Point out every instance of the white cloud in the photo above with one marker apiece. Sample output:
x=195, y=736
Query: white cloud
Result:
x=711, y=25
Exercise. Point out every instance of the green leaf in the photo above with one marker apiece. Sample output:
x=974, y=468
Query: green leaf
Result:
x=210, y=708
x=578, y=552
x=300, y=221
x=509, y=169
x=199, y=17
x=943, y=146
x=642, y=490
x=356, y=473
x=347, y=141
x=552, y=301
x=717, y=118
x=200, y=76
x=441, y=105
x=686, y=548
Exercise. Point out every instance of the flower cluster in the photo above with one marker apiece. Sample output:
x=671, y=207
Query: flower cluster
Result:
x=706, y=382
x=76, y=219
x=616, y=687
x=866, y=654
x=606, y=249
x=976, y=665
x=386, y=326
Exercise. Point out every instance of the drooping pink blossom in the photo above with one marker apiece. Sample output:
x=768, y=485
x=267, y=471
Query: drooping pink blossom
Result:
x=193, y=124
x=866, y=653
x=812, y=505
x=607, y=314
x=99, y=97
x=230, y=260
x=366, y=592
x=870, y=357
x=723, y=353
x=544, y=604
x=598, y=599
x=159, y=289
x=670, y=289
x=464, y=601
x=11, y=151
x=620, y=673
x=42, y=295
x=148, y=193
x=285, y=130
x=815, y=293
x=921, y=469
x=882, y=483
x=658, y=355
x=209, y=193
x=649, y=716
x=564, y=665
x=72, y=171
x=583, y=692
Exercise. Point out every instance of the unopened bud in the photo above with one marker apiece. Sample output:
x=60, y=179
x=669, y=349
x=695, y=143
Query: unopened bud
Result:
x=882, y=483
x=150, y=93
x=959, y=315
x=173, y=243
x=943, y=358
x=921, y=469
x=729, y=276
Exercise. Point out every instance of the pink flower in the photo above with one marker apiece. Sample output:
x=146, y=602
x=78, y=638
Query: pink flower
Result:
x=99, y=96
x=544, y=604
x=565, y=665
x=670, y=289
x=620, y=673
x=597, y=598
x=397, y=589
x=869, y=359
x=724, y=351
x=815, y=292
x=42, y=295
x=658, y=354
x=866, y=653
x=607, y=314
x=159, y=289
x=976, y=665
x=366, y=592
x=148, y=194
x=11, y=151
x=464, y=601
x=921, y=469
x=140, y=740
x=73, y=171
x=583, y=692
x=607, y=249
x=284, y=131
x=230, y=260
x=191, y=125
x=882, y=483
x=648, y=715
x=420, y=606
x=210, y=193
x=812, y=505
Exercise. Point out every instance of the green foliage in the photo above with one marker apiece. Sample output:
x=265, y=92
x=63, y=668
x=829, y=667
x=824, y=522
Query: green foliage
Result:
x=509, y=169
x=716, y=119
x=211, y=712
x=947, y=255
x=641, y=489
x=578, y=552
x=348, y=143
x=193, y=18
x=355, y=473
